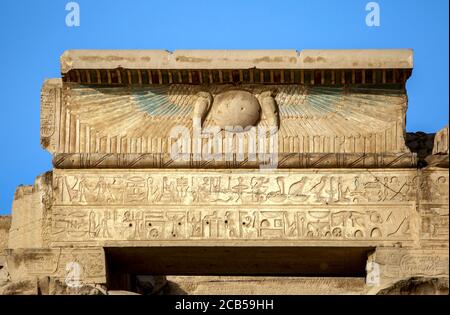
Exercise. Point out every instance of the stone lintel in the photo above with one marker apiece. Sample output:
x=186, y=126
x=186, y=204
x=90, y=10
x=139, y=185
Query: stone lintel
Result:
x=237, y=59
x=309, y=207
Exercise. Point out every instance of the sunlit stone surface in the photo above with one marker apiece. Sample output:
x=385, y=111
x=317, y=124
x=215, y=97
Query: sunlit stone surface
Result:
x=230, y=172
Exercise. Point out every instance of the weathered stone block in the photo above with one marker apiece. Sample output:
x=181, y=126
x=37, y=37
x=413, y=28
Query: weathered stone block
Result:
x=164, y=161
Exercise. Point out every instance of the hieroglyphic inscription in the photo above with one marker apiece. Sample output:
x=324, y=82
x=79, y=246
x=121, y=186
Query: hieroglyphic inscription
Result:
x=156, y=205
x=434, y=208
x=148, y=224
x=398, y=263
x=434, y=187
x=50, y=110
x=43, y=261
x=124, y=188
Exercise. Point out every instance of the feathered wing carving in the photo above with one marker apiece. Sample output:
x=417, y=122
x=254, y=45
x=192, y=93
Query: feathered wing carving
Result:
x=143, y=114
x=338, y=111
x=135, y=112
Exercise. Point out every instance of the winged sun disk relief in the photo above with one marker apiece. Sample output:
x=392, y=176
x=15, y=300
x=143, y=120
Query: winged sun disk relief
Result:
x=236, y=109
x=150, y=113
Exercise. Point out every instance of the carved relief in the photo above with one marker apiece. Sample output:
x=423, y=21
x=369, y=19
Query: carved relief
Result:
x=155, y=224
x=441, y=141
x=43, y=261
x=91, y=260
x=50, y=111
x=398, y=263
x=434, y=187
x=201, y=108
x=310, y=119
x=234, y=160
x=169, y=205
x=154, y=187
x=241, y=109
x=53, y=261
x=344, y=178
x=434, y=191
x=434, y=223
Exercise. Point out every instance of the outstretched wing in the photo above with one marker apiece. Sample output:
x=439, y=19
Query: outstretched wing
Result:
x=338, y=111
x=134, y=112
x=131, y=119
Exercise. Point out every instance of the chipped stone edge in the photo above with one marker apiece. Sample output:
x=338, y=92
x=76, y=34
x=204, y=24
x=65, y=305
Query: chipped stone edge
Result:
x=237, y=59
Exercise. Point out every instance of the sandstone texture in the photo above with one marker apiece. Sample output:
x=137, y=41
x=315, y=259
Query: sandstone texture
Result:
x=231, y=172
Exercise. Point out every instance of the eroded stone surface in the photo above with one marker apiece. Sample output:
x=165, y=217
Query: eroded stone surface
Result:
x=5, y=224
x=99, y=126
x=418, y=286
x=120, y=211
x=300, y=206
x=439, y=157
x=29, y=210
x=237, y=59
x=186, y=285
x=329, y=108
x=441, y=142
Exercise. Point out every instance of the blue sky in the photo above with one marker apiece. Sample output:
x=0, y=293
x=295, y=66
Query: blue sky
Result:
x=34, y=35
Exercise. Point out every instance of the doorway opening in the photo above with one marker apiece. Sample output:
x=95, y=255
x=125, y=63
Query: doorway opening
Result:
x=142, y=269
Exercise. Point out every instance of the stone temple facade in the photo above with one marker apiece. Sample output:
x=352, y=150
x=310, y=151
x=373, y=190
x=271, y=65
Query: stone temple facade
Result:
x=230, y=172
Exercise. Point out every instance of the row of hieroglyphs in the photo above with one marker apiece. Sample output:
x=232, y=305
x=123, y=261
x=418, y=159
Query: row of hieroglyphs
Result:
x=277, y=187
x=150, y=224
x=433, y=200
x=155, y=204
x=434, y=222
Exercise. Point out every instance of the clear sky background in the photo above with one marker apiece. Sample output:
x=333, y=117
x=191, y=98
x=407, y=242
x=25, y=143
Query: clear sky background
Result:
x=34, y=35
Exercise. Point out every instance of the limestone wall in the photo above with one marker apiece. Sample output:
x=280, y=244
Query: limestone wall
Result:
x=29, y=214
